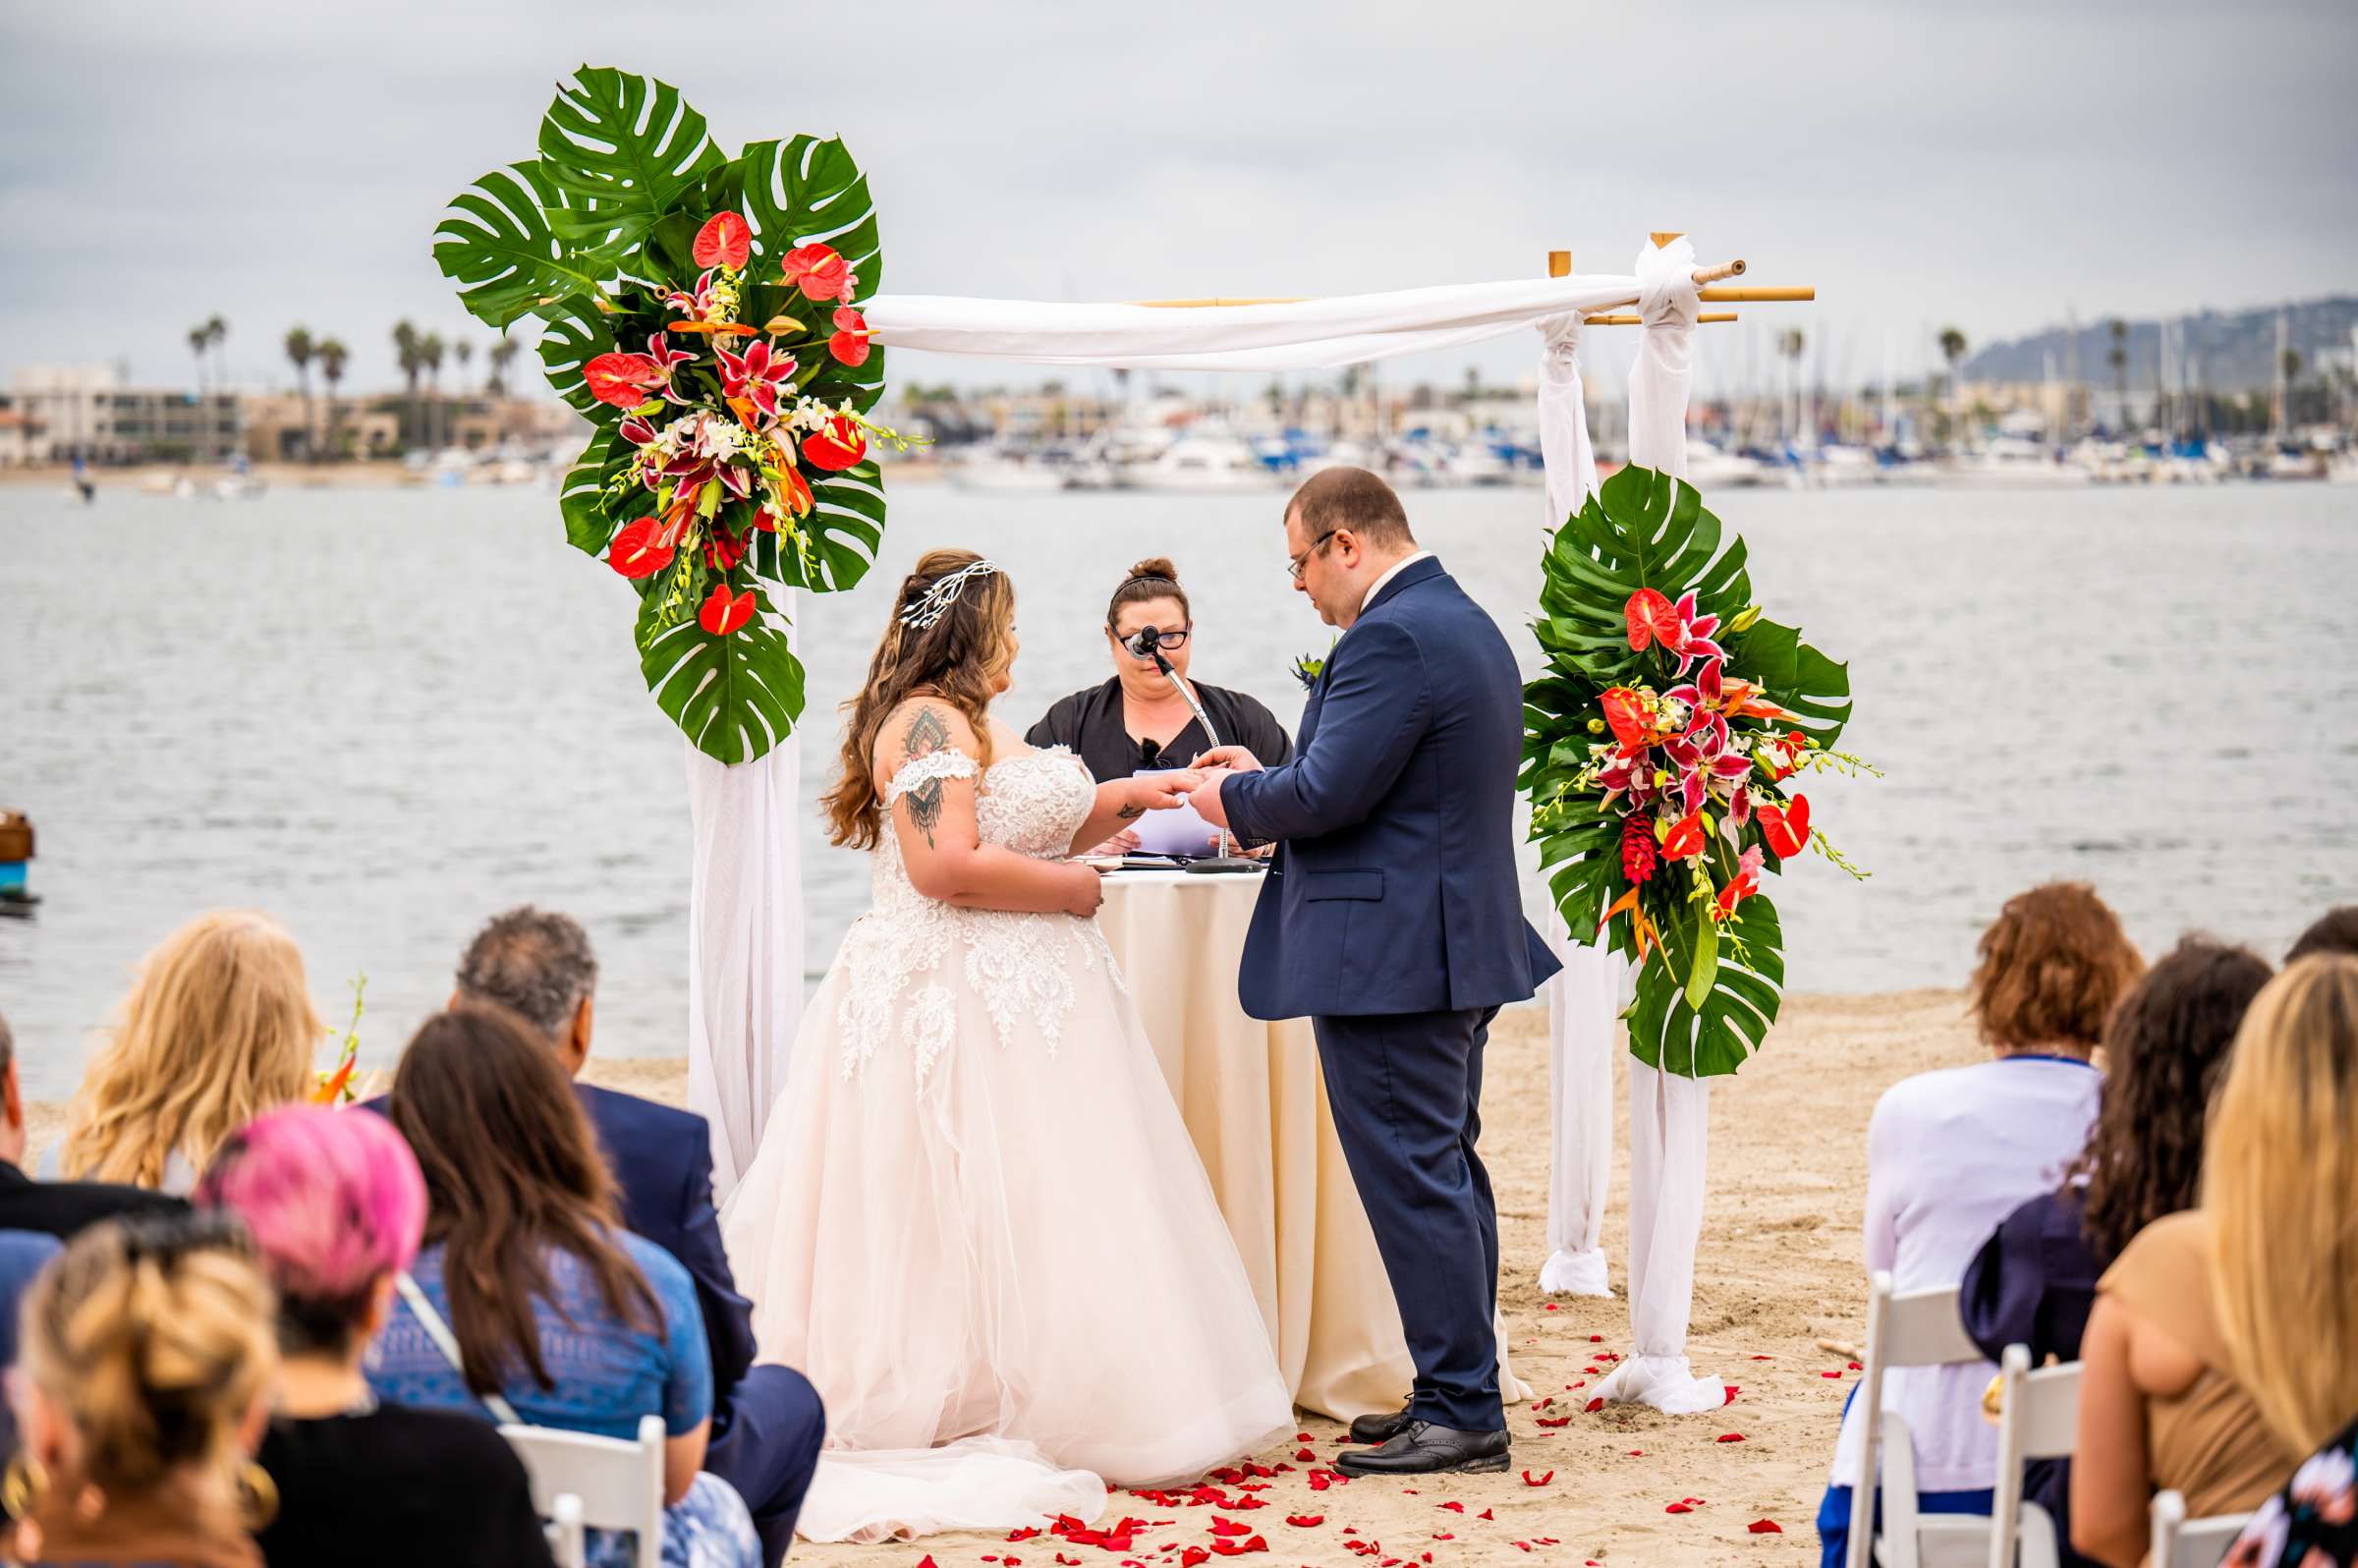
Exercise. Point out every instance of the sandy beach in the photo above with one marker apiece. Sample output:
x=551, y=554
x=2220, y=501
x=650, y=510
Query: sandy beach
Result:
x=1779, y=1271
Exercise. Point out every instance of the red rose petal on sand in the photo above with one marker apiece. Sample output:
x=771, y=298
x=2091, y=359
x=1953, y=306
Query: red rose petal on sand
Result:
x=1559, y=1421
x=1305, y=1521
x=1550, y=1307
x=1855, y=1367
x=1021, y=1535
x=927, y=1561
x=1454, y=1507
x=1765, y=1527
x=1194, y=1555
x=1303, y=1437
x=1637, y=1453
x=1830, y=1374
x=1678, y=1508
x=1764, y=1358
x=1542, y=1481
x=1485, y=1514
x=1733, y=1389
x=1305, y=1455
x=1594, y=1406
x=1595, y=1339
x=1062, y=1561
x=1230, y=1527
x=1729, y=1437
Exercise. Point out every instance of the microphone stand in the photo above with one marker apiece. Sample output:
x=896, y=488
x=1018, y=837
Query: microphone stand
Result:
x=1226, y=862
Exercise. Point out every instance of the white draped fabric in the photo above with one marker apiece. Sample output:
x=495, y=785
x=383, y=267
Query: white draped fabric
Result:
x=1668, y=1115
x=1582, y=999
x=745, y=943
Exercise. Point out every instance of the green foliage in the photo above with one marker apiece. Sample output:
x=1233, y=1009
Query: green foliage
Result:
x=588, y=237
x=1643, y=529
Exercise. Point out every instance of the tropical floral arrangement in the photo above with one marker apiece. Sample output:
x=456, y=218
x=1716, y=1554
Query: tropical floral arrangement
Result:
x=702, y=313
x=335, y=1086
x=1667, y=744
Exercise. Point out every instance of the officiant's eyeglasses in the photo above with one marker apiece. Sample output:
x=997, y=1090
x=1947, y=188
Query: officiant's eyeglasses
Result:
x=1168, y=641
x=1295, y=564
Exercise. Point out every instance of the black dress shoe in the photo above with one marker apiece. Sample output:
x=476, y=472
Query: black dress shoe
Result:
x=1424, y=1449
x=1380, y=1428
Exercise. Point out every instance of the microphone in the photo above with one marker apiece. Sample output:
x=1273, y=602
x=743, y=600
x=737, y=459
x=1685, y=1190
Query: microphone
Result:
x=1148, y=643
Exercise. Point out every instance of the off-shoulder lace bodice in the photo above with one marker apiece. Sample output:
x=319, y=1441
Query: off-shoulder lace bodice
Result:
x=1032, y=803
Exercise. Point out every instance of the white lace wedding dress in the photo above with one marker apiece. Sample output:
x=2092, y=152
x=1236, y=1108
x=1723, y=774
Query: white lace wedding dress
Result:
x=977, y=1223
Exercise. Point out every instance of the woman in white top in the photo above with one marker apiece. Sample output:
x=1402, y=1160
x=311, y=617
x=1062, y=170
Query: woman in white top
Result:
x=1950, y=1153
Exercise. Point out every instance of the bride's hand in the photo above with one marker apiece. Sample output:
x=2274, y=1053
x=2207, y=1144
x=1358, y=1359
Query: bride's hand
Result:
x=1088, y=891
x=1165, y=791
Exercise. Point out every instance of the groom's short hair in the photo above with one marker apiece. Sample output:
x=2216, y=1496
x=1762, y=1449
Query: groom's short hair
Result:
x=1354, y=499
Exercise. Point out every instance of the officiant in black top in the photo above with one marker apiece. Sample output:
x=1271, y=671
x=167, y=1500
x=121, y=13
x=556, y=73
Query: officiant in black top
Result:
x=1137, y=720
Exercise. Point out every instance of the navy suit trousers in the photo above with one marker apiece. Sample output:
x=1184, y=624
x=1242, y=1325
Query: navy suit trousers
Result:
x=1406, y=1091
x=766, y=1434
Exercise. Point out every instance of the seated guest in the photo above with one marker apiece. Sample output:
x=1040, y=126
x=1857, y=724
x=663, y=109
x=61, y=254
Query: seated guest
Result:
x=147, y=1363
x=335, y=1205
x=219, y=1028
x=1949, y=1154
x=2333, y=931
x=52, y=1208
x=1136, y=720
x=2224, y=1347
x=533, y=1304
x=767, y=1423
x=2034, y=1280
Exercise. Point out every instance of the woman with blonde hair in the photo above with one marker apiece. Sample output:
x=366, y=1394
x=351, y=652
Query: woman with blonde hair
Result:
x=973, y=1107
x=218, y=1029
x=143, y=1387
x=2225, y=1342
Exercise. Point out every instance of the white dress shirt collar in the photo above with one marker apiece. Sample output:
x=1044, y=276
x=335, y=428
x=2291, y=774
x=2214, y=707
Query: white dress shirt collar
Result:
x=1398, y=567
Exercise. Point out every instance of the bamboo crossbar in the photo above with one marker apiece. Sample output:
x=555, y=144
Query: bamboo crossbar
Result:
x=1707, y=318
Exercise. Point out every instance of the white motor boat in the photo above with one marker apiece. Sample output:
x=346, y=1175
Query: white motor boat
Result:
x=1207, y=461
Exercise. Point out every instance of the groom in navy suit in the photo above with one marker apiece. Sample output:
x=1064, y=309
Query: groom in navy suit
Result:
x=1391, y=915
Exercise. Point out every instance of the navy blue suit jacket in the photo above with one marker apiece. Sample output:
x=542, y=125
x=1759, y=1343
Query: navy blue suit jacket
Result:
x=661, y=1159
x=1394, y=885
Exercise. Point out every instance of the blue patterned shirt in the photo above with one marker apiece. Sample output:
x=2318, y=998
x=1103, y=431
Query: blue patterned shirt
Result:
x=607, y=1373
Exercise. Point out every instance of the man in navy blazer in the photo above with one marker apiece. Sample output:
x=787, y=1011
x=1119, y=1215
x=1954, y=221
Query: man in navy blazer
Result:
x=1391, y=915
x=767, y=1423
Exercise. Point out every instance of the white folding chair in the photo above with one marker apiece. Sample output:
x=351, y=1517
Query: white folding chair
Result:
x=618, y=1485
x=2183, y=1543
x=566, y=1542
x=1920, y=1328
x=2040, y=1419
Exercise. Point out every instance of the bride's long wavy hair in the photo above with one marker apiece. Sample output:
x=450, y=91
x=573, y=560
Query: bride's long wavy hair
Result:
x=958, y=659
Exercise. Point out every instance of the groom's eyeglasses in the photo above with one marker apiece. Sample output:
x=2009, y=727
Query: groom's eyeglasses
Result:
x=1295, y=564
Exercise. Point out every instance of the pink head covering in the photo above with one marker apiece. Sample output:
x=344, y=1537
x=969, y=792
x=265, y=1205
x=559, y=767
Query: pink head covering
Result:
x=333, y=1199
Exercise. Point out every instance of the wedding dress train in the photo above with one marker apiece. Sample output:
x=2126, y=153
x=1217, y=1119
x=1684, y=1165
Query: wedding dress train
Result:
x=976, y=1222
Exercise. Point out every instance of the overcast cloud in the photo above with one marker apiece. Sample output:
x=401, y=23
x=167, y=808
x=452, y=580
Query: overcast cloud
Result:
x=1979, y=164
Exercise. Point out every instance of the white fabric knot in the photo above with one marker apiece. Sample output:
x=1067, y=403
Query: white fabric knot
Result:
x=1559, y=352
x=1666, y=292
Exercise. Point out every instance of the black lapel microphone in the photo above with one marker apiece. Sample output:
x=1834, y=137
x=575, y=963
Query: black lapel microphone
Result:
x=1149, y=752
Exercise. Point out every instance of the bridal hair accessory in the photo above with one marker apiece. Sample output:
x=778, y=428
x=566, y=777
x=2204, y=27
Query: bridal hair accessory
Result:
x=926, y=612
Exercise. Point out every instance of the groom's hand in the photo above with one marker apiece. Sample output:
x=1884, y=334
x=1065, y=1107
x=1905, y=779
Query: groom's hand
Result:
x=1207, y=797
x=1235, y=759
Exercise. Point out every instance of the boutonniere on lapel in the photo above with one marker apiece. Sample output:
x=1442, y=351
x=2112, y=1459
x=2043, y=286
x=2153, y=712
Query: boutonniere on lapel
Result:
x=1311, y=666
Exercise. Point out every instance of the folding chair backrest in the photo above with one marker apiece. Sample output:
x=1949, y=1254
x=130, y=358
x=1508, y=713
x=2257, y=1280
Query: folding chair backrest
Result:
x=620, y=1484
x=567, y=1544
x=2038, y=1419
x=1920, y=1328
x=2182, y=1542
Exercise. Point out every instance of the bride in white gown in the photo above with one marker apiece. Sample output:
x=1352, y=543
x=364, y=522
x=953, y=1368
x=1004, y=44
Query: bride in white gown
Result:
x=975, y=1221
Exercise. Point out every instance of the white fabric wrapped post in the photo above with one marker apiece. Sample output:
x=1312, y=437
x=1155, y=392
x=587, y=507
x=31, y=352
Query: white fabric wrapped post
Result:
x=1668, y=1115
x=745, y=942
x=1582, y=999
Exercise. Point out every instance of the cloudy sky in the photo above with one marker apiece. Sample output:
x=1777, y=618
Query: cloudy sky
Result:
x=1982, y=163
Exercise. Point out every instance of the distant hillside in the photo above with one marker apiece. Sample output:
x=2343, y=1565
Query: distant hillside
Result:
x=2233, y=351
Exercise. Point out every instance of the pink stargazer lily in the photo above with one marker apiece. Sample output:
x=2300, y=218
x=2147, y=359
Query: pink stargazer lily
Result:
x=1695, y=635
x=698, y=305
x=756, y=375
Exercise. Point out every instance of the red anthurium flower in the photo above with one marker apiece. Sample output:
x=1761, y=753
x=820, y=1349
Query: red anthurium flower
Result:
x=724, y=241
x=818, y=271
x=624, y=380
x=849, y=342
x=1787, y=828
x=1626, y=716
x=836, y=447
x=1651, y=620
x=724, y=612
x=1685, y=839
x=756, y=375
x=638, y=551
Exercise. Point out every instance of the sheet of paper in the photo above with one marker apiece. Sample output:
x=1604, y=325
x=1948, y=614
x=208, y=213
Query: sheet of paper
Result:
x=1175, y=833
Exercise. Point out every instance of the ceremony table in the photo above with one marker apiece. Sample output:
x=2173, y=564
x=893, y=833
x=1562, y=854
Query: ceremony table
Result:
x=1255, y=1103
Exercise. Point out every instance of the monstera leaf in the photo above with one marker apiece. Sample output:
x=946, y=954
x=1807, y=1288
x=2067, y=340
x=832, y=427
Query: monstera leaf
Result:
x=803, y=191
x=734, y=695
x=496, y=243
x=576, y=333
x=623, y=149
x=1703, y=1030
x=840, y=534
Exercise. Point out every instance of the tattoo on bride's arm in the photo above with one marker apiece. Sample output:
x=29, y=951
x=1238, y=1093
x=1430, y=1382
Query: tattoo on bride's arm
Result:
x=925, y=808
x=926, y=733
x=1130, y=810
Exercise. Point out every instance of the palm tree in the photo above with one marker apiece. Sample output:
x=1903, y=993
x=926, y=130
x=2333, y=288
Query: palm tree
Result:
x=2117, y=356
x=216, y=332
x=200, y=339
x=429, y=354
x=465, y=350
x=1952, y=349
x=332, y=354
x=502, y=354
x=405, y=352
x=300, y=350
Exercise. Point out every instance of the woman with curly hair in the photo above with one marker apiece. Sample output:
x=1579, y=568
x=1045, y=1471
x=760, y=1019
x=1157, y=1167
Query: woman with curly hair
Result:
x=1949, y=1154
x=2034, y=1280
